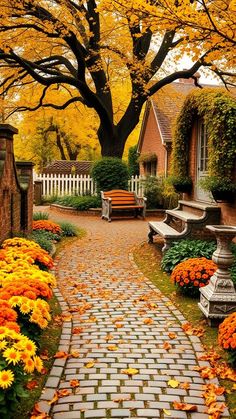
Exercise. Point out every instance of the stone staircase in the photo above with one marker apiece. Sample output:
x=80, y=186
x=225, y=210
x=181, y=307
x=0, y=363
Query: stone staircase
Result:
x=185, y=221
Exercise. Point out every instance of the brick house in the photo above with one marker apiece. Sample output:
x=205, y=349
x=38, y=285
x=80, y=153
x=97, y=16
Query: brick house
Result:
x=155, y=147
x=16, y=188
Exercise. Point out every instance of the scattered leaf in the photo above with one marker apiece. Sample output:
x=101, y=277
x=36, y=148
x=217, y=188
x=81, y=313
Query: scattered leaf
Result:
x=172, y=335
x=173, y=383
x=130, y=371
x=167, y=346
x=166, y=412
x=112, y=348
x=185, y=386
x=77, y=330
x=31, y=385
x=62, y=354
x=90, y=364
x=185, y=406
x=148, y=320
x=74, y=383
x=75, y=354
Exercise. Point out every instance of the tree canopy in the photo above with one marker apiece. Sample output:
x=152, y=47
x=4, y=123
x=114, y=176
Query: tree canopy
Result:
x=86, y=48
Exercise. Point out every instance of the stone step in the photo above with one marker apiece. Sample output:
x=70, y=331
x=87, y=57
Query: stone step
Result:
x=203, y=206
x=184, y=215
x=164, y=229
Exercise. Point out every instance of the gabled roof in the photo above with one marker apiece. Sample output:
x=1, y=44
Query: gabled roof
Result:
x=67, y=167
x=166, y=105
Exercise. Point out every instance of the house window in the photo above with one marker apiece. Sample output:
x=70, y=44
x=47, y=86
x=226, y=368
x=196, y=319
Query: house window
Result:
x=150, y=167
x=203, y=147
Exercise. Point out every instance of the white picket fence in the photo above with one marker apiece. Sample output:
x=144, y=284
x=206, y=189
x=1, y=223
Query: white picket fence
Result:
x=61, y=185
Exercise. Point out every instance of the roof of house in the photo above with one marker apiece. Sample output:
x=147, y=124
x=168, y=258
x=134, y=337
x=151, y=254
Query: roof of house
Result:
x=68, y=167
x=166, y=105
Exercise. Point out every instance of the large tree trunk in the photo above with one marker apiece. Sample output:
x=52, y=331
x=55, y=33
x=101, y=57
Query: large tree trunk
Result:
x=111, y=145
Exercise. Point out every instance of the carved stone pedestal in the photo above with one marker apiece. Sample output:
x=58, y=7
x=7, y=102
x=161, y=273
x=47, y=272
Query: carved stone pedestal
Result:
x=218, y=298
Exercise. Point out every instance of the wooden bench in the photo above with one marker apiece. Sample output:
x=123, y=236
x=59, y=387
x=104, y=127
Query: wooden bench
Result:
x=121, y=200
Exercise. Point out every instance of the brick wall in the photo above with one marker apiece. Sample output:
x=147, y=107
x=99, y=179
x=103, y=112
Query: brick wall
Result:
x=152, y=143
x=16, y=188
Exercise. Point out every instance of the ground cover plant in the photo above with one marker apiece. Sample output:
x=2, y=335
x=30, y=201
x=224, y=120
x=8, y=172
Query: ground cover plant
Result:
x=148, y=258
x=81, y=203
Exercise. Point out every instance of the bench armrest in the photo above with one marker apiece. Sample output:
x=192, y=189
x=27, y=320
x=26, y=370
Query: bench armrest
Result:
x=106, y=207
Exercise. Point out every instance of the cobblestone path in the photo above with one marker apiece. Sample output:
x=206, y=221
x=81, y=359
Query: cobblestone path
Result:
x=119, y=321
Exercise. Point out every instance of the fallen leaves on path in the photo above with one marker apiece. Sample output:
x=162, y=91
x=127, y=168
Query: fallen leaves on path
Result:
x=130, y=371
x=77, y=330
x=74, y=383
x=190, y=330
x=185, y=385
x=90, y=364
x=167, y=346
x=61, y=354
x=173, y=383
x=112, y=348
x=185, y=406
x=58, y=394
x=37, y=413
x=172, y=335
x=166, y=412
x=148, y=321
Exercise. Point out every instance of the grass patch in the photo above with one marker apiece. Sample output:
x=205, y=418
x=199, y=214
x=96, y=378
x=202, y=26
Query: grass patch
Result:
x=148, y=259
x=49, y=341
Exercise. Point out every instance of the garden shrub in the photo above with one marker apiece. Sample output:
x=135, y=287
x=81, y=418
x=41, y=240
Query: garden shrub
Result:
x=186, y=249
x=81, y=203
x=110, y=173
x=68, y=229
x=40, y=215
x=133, y=164
x=153, y=192
x=193, y=274
x=227, y=337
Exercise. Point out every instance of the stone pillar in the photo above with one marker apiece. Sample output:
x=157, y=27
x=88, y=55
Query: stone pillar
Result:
x=9, y=190
x=38, y=192
x=218, y=298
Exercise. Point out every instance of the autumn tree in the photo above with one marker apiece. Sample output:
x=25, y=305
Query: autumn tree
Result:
x=85, y=47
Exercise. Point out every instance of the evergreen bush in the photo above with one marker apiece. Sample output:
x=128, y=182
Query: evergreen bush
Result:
x=110, y=173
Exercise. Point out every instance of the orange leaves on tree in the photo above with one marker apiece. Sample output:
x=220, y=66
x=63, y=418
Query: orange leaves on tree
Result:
x=185, y=406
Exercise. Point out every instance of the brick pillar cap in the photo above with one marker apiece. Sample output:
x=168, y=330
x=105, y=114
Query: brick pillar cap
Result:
x=8, y=130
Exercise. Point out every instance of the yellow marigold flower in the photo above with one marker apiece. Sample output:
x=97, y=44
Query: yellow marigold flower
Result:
x=12, y=355
x=24, y=308
x=34, y=318
x=3, y=344
x=6, y=378
x=24, y=356
x=42, y=323
x=29, y=365
x=38, y=363
x=15, y=300
x=30, y=347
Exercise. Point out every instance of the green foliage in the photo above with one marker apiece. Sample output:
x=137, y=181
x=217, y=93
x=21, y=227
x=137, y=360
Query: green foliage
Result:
x=186, y=249
x=133, y=165
x=40, y=215
x=44, y=239
x=110, y=173
x=153, y=192
x=68, y=229
x=218, y=111
x=181, y=184
x=215, y=184
x=81, y=203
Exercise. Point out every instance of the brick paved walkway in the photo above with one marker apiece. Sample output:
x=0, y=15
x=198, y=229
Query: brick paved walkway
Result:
x=119, y=321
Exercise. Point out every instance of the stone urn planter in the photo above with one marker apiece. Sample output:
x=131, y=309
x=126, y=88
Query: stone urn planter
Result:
x=218, y=298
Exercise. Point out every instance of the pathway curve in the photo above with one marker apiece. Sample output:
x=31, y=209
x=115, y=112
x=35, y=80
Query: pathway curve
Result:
x=119, y=321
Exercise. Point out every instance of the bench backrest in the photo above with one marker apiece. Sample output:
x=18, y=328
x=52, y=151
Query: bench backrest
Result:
x=120, y=197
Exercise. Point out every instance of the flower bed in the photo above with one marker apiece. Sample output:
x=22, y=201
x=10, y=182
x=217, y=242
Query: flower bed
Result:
x=24, y=314
x=227, y=337
x=193, y=274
